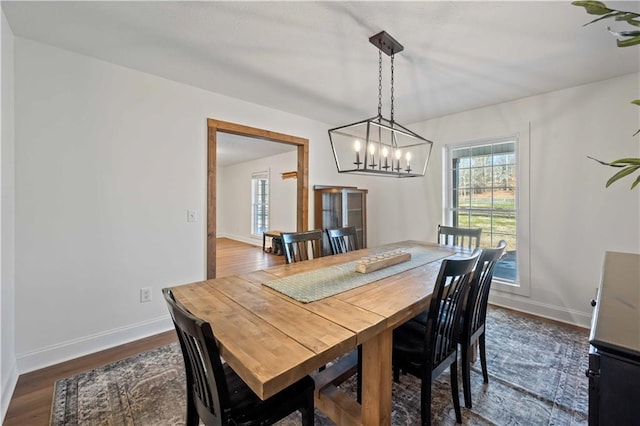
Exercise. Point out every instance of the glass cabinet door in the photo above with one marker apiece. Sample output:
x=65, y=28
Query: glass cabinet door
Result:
x=337, y=207
x=354, y=214
x=332, y=210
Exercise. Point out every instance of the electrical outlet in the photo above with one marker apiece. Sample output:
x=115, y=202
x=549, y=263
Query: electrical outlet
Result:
x=145, y=294
x=192, y=216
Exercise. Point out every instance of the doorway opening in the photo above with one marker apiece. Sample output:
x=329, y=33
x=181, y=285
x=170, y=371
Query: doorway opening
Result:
x=302, y=186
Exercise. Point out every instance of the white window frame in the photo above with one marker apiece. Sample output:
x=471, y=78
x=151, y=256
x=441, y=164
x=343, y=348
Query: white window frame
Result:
x=256, y=177
x=522, y=285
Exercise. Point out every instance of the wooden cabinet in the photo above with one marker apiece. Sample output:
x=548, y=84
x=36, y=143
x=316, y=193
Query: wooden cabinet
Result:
x=614, y=356
x=340, y=206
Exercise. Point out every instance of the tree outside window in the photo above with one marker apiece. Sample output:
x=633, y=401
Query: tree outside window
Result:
x=482, y=191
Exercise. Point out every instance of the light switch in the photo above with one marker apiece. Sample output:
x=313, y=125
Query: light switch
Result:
x=192, y=216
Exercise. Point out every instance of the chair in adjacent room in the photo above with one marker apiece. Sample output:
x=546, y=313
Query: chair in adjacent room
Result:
x=299, y=246
x=462, y=237
x=216, y=395
x=342, y=240
x=474, y=316
x=426, y=351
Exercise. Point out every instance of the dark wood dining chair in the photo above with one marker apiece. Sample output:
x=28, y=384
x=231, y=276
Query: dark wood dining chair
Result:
x=426, y=351
x=299, y=246
x=475, y=314
x=215, y=393
x=463, y=237
x=342, y=240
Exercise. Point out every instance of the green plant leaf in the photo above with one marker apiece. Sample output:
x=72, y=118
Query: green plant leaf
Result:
x=630, y=161
x=593, y=7
x=604, y=163
x=610, y=15
x=629, y=42
x=636, y=102
x=623, y=39
x=633, y=22
x=627, y=16
x=622, y=173
x=624, y=33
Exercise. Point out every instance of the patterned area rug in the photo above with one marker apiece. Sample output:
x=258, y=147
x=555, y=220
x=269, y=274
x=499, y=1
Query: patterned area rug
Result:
x=536, y=377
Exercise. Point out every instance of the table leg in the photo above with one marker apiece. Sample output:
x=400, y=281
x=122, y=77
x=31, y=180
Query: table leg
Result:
x=376, y=380
x=264, y=237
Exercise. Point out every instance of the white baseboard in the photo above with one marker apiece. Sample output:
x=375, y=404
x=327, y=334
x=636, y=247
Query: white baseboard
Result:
x=9, y=382
x=255, y=241
x=72, y=349
x=557, y=313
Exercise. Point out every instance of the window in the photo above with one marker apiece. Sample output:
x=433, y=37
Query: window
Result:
x=482, y=190
x=259, y=203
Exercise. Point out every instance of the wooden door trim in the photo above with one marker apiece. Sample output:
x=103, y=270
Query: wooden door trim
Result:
x=302, y=190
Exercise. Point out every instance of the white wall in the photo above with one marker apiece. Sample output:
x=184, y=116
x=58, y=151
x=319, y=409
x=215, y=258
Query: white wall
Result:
x=108, y=160
x=8, y=369
x=573, y=218
x=234, y=197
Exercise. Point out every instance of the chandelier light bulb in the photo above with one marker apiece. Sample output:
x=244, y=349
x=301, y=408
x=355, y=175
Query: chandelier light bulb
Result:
x=357, y=146
x=385, y=154
x=398, y=154
x=372, y=150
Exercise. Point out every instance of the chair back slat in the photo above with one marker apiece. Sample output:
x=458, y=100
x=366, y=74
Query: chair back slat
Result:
x=442, y=329
x=462, y=237
x=206, y=384
x=343, y=240
x=480, y=286
x=299, y=246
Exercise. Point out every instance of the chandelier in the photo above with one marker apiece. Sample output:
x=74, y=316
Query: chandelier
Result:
x=377, y=145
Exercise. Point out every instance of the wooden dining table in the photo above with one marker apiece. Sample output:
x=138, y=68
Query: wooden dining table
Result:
x=272, y=340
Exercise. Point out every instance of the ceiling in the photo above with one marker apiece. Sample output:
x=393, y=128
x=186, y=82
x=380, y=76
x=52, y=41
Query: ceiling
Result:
x=233, y=149
x=314, y=58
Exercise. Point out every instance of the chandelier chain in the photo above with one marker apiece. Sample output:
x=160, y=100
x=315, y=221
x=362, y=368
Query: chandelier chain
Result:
x=392, y=56
x=379, y=83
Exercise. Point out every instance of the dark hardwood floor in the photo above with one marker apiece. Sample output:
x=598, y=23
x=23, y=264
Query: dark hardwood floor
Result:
x=32, y=398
